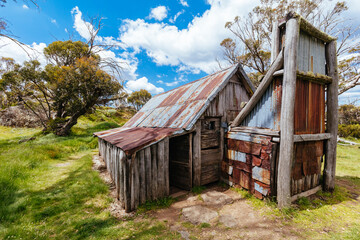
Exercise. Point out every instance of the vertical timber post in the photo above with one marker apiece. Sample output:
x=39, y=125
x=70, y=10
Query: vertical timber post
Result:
x=332, y=116
x=287, y=114
x=275, y=41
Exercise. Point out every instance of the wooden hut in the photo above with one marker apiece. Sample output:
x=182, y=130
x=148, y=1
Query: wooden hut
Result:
x=176, y=139
x=278, y=141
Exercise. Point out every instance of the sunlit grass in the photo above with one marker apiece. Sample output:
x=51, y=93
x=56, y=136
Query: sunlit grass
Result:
x=48, y=189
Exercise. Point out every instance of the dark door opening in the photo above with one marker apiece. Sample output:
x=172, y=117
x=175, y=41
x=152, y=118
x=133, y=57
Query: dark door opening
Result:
x=180, y=163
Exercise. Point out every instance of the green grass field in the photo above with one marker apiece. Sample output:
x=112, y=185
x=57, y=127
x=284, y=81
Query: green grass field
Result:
x=48, y=190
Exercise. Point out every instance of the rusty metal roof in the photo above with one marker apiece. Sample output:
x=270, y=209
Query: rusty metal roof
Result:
x=182, y=106
x=171, y=112
x=131, y=140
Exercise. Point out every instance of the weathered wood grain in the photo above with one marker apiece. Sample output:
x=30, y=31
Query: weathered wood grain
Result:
x=287, y=115
x=154, y=170
x=197, y=154
x=275, y=40
x=332, y=116
x=148, y=173
x=166, y=167
x=142, y=176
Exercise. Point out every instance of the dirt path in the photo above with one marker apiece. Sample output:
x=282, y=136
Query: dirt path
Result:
x=227, y=214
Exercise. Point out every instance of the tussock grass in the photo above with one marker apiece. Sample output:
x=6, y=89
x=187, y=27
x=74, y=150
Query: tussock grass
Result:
x=48, y=189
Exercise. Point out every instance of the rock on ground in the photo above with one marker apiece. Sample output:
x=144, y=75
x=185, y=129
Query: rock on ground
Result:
x=199, y=214
x=216, y=198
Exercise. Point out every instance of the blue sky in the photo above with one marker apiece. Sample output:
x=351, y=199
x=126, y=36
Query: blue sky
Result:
x=163, y=44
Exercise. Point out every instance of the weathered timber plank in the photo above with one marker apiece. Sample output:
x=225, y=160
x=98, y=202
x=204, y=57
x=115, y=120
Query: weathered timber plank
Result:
x=154, y=170
x=273, y=169
x=142, y=176
x=137, y=181
x=190, y=158
x=259, y=91
x=196, y=159
x=287, y=114
x=332, y=117
x=255, y=130
x=305, y=194
x=161, y=177
x=166, y=167
x=275, y=41
x=127, y=185
x=311, y=137
x=148, y=173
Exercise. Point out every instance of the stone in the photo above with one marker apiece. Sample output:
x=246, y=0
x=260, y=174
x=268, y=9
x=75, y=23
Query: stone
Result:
x=184, y=234
x=216, y=198
x=228, y=220
x=199, y=214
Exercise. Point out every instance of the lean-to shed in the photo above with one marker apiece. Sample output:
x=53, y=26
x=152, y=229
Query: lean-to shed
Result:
x=176, y=139
x=279, y=140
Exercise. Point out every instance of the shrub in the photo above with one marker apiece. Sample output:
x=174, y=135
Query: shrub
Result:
x=352, y=130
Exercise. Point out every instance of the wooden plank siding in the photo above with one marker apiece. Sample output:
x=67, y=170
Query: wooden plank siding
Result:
x=138, y=178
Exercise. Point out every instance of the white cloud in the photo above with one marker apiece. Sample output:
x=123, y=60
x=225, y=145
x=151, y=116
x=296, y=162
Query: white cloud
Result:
x=53, y=21
x=173, y=19
x=24, y=6
x=82, y=27
x=159, y=13
x=195, y=47
x=184, y=3
x=143, y=83
x=175, y=82
x=21, y=53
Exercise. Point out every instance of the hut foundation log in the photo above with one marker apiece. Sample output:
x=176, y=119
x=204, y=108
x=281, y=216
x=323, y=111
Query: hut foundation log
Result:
x=260, y=90
x=332, y=117
x=287, y=114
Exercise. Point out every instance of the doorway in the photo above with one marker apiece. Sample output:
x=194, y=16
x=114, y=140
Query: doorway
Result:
x=180, y=162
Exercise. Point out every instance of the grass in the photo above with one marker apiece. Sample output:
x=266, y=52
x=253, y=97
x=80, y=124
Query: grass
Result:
x=48, y=189
x=155, y=204
x=326, y=215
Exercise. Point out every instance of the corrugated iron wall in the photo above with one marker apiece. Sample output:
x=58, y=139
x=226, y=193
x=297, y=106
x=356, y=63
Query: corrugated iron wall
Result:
x=266, y=113
x=311, y=54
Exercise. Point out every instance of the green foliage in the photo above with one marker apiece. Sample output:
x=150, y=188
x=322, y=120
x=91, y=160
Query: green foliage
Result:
x=349, y=114
x=139, y=98
x=198, y=189
x=352, y=130
x=205, y=225
x=155, y=204
x=67, y=89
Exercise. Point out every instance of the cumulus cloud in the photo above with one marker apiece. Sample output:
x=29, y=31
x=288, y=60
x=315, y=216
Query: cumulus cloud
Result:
x=175, y=82
x=143, y=83
x=24, y=6
x=173, y=19
x=184, y=3
x=195, y=47
x=21, y=53
x=159, y=13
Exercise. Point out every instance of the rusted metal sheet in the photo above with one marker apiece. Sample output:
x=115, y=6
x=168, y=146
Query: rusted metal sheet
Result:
x=266, y=112
x=310, y=107
x=261, y=189
x=261, y=175
x=236, y=156
x=133, y=139
x=244, y=146
x=181, y=107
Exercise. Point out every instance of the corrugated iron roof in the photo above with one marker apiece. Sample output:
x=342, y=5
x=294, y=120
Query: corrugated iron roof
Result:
x=171, y=112
x=131, y=140
x=182, y=106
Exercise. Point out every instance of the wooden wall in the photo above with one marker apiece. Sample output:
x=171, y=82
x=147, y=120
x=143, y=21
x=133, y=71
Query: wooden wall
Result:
x=140, y=177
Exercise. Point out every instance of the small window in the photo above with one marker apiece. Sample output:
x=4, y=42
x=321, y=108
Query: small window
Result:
x=211, y=125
